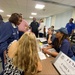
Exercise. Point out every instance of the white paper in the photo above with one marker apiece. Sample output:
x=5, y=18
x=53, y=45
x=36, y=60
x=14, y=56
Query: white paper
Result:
x=41, y=55
x=65, y=65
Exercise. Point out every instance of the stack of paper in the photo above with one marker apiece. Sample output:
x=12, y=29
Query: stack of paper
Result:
x=41, y=55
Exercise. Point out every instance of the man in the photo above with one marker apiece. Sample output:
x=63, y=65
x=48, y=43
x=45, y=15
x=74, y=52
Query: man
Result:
x=70, y=27
x=23, y=27
x=34, y=25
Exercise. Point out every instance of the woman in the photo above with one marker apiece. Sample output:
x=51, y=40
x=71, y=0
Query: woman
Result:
x=25, y=60
x=9, y=33
x=60, y=43
x=41, y=28
x=50, y=36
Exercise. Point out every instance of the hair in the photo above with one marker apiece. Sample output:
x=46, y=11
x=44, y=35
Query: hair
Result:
x=15, y=18
x=50, y=29
x=52, y=26
x=57, y=43
x=41, y=20
x=72, y=19
x=26, y=57
x=1, y=17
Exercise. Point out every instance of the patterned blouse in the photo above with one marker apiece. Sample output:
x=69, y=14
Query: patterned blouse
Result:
x=10, y=69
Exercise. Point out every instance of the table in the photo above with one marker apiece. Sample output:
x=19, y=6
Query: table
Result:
x=47, y=67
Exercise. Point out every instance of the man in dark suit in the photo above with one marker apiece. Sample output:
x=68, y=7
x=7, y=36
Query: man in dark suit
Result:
x=34, y=25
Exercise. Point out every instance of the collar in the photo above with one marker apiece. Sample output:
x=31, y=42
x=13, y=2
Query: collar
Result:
x=14, y=25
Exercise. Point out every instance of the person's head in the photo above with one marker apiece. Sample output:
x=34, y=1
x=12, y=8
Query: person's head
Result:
x=71, y=20
x=21, y=15
x=61, y=33
x=50, y=31
x=26, y=57
x=1, y=17
x=34, y=19
x=52, y=27
x=41, y=21
x=15, y=18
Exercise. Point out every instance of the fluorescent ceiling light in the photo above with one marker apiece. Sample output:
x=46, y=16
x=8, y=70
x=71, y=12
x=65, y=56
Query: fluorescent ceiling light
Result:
x=1, y=10
x=33, y=13
x=8, y=15
x=39, y=6
x=31, y=17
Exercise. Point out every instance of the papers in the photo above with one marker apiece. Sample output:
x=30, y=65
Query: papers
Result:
x=64, y=64
x=42, y=39
x=41, y=55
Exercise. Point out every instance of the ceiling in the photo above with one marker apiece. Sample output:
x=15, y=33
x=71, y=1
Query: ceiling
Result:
x=27, y=6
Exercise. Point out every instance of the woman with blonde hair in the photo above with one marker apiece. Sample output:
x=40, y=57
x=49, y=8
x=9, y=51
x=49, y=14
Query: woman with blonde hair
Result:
x=24, y=55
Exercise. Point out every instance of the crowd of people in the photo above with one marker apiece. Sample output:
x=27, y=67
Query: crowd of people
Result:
x=18, y=44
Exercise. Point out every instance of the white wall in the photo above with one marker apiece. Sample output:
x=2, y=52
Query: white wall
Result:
x=61, y=19
x=5, y=19
x=48, y=22
x=53, y=18
x=73, y=14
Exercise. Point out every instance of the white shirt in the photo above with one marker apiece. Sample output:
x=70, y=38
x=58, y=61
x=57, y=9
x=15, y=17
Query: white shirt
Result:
x=41, y=28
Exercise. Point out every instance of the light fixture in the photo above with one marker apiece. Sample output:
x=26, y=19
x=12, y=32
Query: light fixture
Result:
x=39, y=6
x=8, y=15
x=31, y=17
x=1, y=10
x=33, y=13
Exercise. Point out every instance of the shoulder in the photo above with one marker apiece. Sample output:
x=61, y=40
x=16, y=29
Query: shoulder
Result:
x=8, y=24
x=5, y=26
x=67, y=23
x=42, y=24
x=65, y=41
x=31, y=23
x=55, y=40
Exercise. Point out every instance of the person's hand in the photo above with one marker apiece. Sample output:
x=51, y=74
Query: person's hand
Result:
x=44, y=49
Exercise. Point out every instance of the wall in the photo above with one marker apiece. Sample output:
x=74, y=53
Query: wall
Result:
x=5, y=19
x=28, y=20
x=73, y=14
x=53, y=18
x=61, y=19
